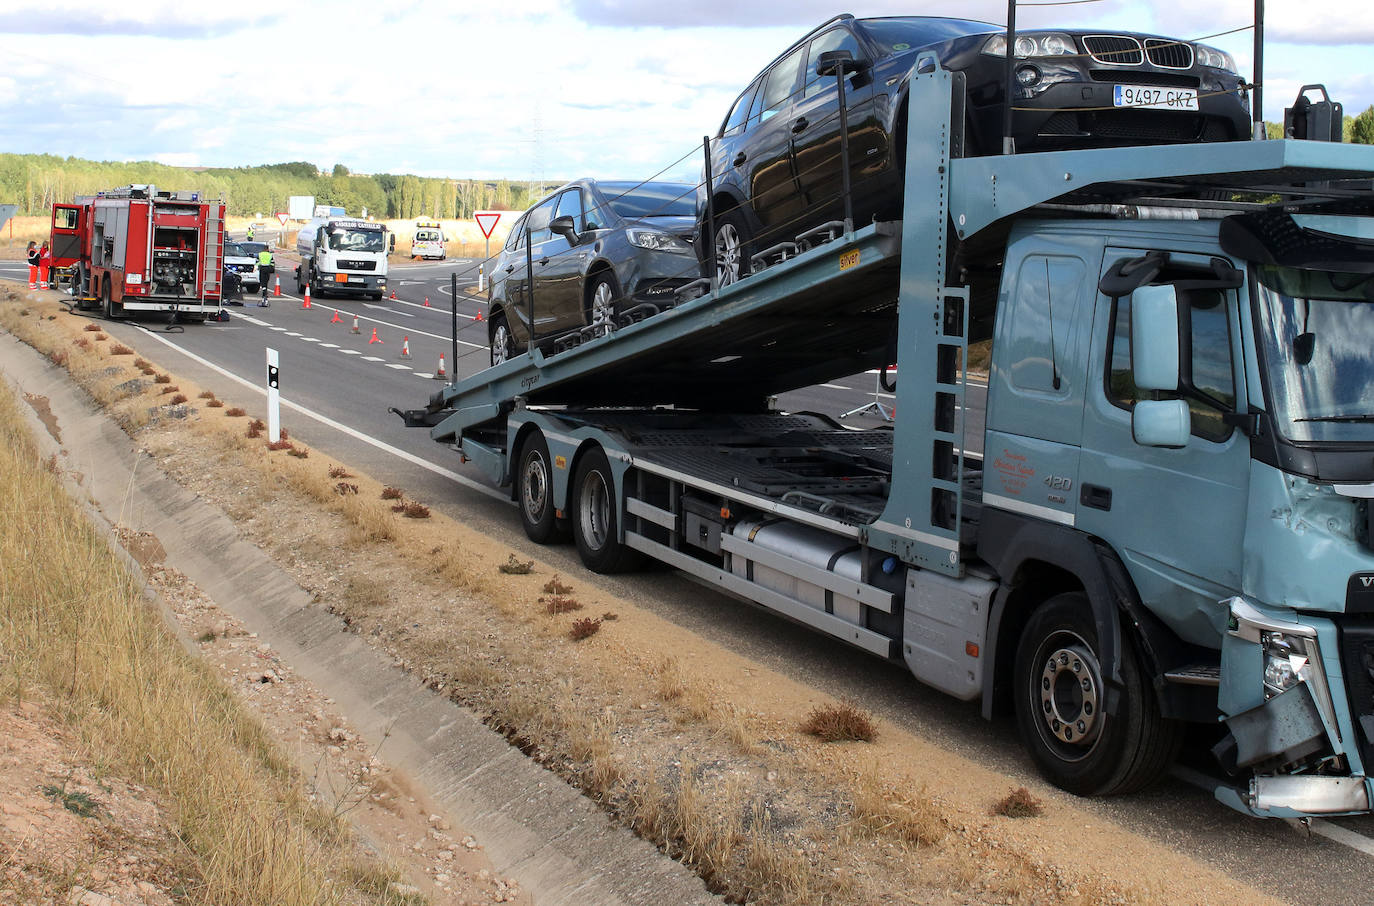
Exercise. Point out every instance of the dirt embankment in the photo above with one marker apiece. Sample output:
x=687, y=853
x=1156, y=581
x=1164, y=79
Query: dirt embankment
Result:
x=694, y=747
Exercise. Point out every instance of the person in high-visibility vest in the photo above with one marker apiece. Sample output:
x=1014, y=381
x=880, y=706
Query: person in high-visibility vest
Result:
x=44, y=264
x=250, y=232
x=265, y=271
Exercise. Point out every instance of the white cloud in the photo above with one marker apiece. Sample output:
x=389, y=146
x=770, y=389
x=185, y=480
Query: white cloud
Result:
x=557, y=88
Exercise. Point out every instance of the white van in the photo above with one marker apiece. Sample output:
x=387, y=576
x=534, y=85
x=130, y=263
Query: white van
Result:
x=428, y=241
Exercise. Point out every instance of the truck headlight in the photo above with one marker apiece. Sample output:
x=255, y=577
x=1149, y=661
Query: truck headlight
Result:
x=1291, y=653
x=1286, y=661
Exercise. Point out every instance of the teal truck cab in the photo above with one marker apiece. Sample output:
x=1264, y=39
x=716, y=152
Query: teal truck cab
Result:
x=1169, y=519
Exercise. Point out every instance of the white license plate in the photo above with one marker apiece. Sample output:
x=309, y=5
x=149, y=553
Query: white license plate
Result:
x=1155, y=98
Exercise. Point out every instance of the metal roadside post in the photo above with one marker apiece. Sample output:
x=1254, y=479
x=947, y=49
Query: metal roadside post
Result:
x=453, y=296
x=273, y=397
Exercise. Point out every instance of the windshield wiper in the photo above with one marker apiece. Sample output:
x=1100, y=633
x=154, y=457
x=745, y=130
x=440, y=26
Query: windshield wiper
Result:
x=1336, y=418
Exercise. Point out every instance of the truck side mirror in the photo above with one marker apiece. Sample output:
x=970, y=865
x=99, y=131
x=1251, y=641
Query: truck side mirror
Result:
x=1154, y=338
x=391, y=246
x=1161, y=423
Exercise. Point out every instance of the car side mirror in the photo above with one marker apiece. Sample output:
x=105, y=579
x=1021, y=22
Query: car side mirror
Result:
x=832, y=61
x=563, y=226
x=1154, y=338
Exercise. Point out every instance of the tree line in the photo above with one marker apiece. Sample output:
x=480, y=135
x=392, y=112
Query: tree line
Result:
x=36, y=181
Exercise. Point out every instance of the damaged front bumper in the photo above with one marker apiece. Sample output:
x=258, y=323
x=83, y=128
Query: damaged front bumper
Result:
x=1285, y=725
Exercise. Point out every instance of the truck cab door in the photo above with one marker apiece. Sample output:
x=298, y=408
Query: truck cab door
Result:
x=1175, y=515
x=66, y=234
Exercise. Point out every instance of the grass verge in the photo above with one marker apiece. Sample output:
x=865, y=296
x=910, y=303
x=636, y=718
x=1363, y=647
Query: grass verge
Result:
x=74, y=623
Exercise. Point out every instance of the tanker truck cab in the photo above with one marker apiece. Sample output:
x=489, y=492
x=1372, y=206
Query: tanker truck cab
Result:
x=428, y=241
x=343, y=256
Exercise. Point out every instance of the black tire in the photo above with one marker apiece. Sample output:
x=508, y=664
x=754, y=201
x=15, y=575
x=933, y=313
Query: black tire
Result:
x=534, y=491
x=1058, y=687
x=595, y=517
x=106, y=301
x=602, y=298
x=501, y=340
x=300, y=281
x=732, y=244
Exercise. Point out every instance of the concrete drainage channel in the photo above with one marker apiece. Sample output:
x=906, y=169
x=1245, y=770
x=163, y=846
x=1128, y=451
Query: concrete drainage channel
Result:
x=533, y=826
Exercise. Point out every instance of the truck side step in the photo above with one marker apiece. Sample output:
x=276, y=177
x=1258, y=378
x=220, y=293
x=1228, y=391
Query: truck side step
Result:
x=1196, y=675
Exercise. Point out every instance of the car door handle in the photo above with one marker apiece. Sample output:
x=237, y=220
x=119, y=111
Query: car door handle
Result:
x=800, y=124
x=740, y=158
x=544, y=260
x=1095, y=496
x=509, y=268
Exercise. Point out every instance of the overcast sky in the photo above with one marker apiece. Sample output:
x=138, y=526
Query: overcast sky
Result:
x=522, y=89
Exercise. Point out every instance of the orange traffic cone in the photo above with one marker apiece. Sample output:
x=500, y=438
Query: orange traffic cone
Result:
x=375, y=338
x=393, y=294
x=405, y=347
x=276, y=287
x=355, y=324
x=336, y=319
x=305, y=303
x=426, y=301
x=441, y=375
x=479, y=315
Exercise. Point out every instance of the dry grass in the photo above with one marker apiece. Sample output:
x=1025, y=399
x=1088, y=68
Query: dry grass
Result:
x=1019, y=803
x=206, y=395
x=882, y=812
x=584, y=628
x=391, y=494
x=841, y=722
x=163, y=379
x=339, y=472
x=235, y=412
x=556, y=604
x=120, y=349
x=516, y=567
x=74, y=622
x=297, y=452
x=278, y=445
x=178, y=399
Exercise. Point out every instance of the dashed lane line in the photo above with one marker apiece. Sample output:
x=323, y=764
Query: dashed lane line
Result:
x=337, y=426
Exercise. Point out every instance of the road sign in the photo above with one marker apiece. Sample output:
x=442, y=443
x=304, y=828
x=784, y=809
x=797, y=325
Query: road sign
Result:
x=282, y=217
x=487, y=220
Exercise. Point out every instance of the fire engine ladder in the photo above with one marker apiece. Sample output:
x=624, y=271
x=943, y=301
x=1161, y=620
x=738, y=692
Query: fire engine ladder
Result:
x=212, y=254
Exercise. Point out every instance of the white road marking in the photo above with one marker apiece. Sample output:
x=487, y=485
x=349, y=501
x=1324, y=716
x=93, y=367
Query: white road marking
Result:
x=311, y=339
x=834, y=387
x=278, y=329
x=350, y=352
x=399, y=367
x=372, y=358
x=339, y=426
x=292, y=333
x=329, y=345
x=1338, y=834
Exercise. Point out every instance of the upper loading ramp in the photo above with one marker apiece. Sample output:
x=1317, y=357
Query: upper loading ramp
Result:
x=832, y=311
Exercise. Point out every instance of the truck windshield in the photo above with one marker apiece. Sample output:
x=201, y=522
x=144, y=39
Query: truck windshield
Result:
x=357, y=241
x=1317, y=332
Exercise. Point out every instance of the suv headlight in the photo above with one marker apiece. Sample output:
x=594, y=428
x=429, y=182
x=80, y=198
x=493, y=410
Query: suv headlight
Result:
x=1217, y=59
x=655, y=241
x=1050, y=44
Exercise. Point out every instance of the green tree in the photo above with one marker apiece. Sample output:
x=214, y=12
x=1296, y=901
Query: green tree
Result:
x=1362, y=129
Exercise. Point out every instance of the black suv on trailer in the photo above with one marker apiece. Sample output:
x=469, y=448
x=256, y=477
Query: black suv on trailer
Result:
x=775, y=162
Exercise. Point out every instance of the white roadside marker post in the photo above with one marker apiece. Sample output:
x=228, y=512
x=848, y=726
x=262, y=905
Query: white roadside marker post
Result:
x=273, y=398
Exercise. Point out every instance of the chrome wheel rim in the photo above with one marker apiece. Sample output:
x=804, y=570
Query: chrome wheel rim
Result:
x=534, y=487
x=728, y=253
x=500, y=344
x=594, y=510
x=602, y=305
x=1068, y=695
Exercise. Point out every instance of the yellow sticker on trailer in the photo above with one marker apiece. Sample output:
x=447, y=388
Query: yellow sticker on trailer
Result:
x=560, y=462
x=849, y=259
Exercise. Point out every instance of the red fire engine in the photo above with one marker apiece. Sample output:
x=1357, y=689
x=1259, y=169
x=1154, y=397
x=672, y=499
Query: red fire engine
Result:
x=138, y=249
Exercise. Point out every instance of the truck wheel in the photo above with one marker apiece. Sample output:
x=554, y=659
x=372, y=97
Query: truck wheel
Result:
x=502, y=343
x=106, y=302
x=731, y=246
x=534, y=491
x=595, y=520
x=1059, y=694
x=300, y=283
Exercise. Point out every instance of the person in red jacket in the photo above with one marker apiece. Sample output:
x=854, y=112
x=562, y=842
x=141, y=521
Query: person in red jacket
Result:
x=33, y=259
x=44, y=264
